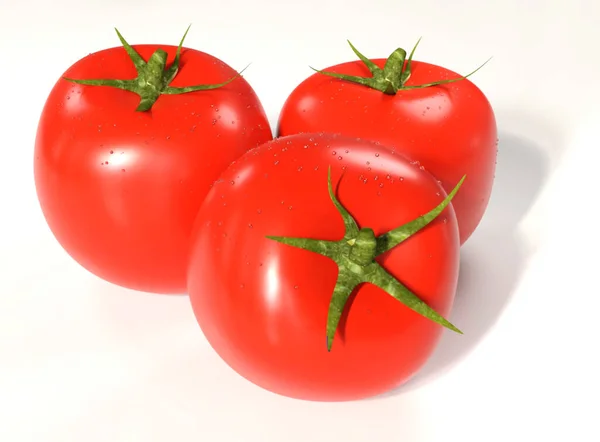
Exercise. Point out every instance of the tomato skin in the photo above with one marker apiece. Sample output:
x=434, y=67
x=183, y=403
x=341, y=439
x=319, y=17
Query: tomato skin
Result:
x=263, y=305
x=451, y=128
x=120, y=188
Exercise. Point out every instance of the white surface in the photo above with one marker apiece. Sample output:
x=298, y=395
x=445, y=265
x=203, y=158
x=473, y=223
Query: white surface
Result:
x=82, y=360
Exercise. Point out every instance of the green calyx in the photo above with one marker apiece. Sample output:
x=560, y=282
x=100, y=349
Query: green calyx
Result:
x=394, y=75
x=153, y=77
x=355, y=257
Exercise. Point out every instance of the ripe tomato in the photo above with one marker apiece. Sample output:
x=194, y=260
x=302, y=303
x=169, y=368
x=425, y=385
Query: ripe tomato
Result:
x=272, y=310
x=120, y=175
x=450, y=124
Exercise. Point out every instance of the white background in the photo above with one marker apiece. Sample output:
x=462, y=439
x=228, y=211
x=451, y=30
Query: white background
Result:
x=83, y=360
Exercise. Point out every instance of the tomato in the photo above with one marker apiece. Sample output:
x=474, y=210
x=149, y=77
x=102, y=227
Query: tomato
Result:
x=304, y=317
x=120, y=174
x=450, y=124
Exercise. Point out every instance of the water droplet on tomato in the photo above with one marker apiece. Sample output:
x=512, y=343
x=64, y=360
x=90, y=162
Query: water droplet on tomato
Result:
x=376, y=154
x=339, y=158
x=259, y=211
x=232, y=182
x=422, y=167
x=112, y=151
x=250, y=226
x=122, y=170
x=276, y=163
x=296, y=287
x=368, y=162
x=380, y=184
x=445, y=220
x=334, y=153
x=214, y=121
x=242, y=286
x=401, y=178
x=300, y=169
x=290, y=208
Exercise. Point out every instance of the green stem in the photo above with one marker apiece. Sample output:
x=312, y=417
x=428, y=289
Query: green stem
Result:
x=153, y=78
x=394, y=75
x=355, y=257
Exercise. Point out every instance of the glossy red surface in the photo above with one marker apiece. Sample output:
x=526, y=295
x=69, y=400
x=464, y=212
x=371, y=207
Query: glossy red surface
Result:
x=449, y=129
x=119, y=188
x=263, y=305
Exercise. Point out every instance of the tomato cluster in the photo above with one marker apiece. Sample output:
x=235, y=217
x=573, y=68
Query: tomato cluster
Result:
x=320, y=264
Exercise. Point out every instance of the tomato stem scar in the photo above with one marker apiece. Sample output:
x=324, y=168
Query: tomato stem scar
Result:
x=153, y=78
x=394, y=75
x=355, y=256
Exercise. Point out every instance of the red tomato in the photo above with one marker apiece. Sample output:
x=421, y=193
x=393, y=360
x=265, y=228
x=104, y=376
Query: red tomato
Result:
x=120, y=188
x=267, y=307
x=451, y=127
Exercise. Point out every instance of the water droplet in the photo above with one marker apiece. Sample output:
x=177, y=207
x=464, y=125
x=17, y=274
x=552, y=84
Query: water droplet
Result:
x=376, y=177
x=365, y=180
x=168, y=137
x=122, y=170
x=438, y=193
x=232, y=182
x=290, y=207
x=445, y=220
x=422, y=167
x=380, y=184
x=339, y=158
x=296, y=287
x=369, y=169
x=368, y=162
x=214, y=121
x=401, y=178
x=259, y=211
x=334, y=153
x=347, y=151
x=242, y=286
x=112, y=151
x=388, y=176
x=276, y=163
x=220, y=223
x=376, y=154
x=250, y=226
x=300, y=169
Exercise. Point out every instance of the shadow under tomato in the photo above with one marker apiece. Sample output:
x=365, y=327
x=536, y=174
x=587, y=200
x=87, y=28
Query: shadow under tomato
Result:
x=493, y=259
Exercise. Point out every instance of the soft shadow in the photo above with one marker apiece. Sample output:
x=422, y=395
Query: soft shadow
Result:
x=493, y=259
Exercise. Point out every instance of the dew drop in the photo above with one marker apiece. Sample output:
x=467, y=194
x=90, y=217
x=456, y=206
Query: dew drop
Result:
x=112, y=151
x=347, y=151
x=422, y=167
x=250, y=226
x=381, y=185
x=214, y=121
x=300, y=169
x=232, y=182
x=376, y=154
x=401, y=178
x=290, y=207
x=339, y=158
x=276, y=163
x=334, y=153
